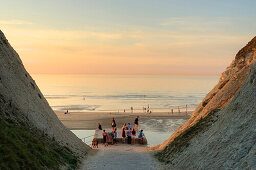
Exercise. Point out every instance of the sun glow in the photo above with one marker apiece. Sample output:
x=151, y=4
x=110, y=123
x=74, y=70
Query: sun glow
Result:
x=113, y=42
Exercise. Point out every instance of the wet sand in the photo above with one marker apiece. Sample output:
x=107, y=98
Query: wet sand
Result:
x=89, y=120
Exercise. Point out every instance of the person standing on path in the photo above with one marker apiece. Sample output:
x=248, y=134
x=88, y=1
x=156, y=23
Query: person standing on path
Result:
x=123, y=133
x=114, y=136
x=129, y=126
x=107, y=138
x=99, y=126
x=104, y=134
x=113, y=124
x=136, y=123
x=133, y=136
x=129, y=136
x=141, y=137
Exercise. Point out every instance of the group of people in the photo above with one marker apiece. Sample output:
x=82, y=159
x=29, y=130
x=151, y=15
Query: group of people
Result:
x=128, y=132
x=106, y=135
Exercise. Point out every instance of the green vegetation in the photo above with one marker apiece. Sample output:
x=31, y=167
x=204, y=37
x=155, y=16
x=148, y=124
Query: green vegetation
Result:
x=24, y=148
x=182, y=141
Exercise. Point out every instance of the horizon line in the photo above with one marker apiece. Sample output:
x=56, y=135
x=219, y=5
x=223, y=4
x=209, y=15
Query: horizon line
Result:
x=126, y=74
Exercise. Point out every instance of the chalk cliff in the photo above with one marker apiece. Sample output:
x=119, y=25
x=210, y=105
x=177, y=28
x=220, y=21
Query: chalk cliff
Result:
x=221, y=131
x=19, y=91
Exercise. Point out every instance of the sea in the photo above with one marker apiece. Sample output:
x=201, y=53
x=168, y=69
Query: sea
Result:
x=106, y=93
x=114, y=93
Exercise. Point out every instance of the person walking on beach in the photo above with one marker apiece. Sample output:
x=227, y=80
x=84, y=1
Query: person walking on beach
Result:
x=133, y=136
x=136, y=123
x=66, y=112
x=131, y=109
x=123, y=133
x=104, y=134
x=99, y=126
x=113, y=124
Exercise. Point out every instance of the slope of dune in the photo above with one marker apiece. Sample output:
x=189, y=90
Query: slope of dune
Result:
x=221, y=130
x=22, y=101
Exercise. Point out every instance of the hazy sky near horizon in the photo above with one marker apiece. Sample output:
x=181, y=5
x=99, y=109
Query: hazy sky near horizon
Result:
x=128, y=37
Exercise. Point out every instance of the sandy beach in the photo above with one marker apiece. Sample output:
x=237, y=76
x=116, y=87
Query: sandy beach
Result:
x=89, y=120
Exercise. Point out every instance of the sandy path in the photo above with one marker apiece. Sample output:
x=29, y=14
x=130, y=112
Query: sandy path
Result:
x=121, y=158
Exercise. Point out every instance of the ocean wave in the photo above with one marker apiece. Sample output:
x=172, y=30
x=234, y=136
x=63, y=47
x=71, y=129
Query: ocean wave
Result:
x=76, y=107
x=127, y=97
x=61, y=96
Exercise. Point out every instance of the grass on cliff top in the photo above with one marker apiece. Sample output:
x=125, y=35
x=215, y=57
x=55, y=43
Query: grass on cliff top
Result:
x=25, y=148
x=182, y=141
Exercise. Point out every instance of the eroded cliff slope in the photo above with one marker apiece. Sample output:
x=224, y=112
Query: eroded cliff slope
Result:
x=221, y=130
x=19, y=91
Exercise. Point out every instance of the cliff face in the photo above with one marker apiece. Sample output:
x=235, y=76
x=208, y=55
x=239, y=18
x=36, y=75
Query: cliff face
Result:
x=19, y=90
x=221, y=130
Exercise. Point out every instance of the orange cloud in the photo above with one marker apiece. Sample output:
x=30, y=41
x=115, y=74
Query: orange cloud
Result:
x=134, y=52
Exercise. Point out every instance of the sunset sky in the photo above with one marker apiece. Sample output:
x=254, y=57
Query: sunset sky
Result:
x=190, y=37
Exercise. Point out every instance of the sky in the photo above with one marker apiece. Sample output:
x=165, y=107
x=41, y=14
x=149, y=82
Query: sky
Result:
x=176, y=37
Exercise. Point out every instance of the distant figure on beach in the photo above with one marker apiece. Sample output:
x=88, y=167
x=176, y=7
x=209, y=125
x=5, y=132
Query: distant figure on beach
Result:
x=123, y=133
x=136, y=123
x=141, y=137
x=113, y=123
x=133, y=136
x=129, y=136
x=124, y=110
x=131, y=109
x=104, y=134
x=66, y=112
x=99, y=126
x=148, y=108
